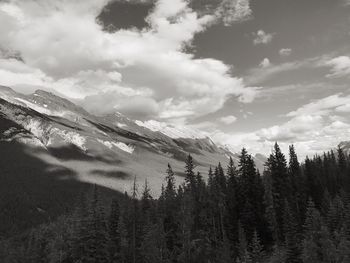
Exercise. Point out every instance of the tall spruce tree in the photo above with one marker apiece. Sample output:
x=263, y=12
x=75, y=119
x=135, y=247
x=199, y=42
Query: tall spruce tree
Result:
x=231, y=202
x=277, y=167
x=250, y=196
x=298, y=198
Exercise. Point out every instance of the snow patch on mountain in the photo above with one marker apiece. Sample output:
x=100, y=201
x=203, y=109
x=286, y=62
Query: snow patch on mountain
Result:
x=171, y=130
x=122, y=146
x=70, y=137
x=35, y=127
x=36, y=107
x=121, y=125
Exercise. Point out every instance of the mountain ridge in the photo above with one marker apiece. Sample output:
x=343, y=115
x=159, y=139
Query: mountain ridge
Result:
x=112, y=142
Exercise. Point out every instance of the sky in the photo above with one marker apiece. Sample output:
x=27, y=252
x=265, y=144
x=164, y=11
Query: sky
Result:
x=245, y=72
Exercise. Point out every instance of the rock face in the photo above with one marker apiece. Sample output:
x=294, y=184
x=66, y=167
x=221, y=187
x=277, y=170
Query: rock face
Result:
x=100, y=148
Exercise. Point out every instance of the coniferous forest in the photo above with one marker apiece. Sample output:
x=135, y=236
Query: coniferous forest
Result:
x=292, y=212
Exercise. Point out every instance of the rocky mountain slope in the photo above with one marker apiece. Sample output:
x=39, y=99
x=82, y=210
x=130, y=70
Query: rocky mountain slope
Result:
x=51, y=150
x=107, y=150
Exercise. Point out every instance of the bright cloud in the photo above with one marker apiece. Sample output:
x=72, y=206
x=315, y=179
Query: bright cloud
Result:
x=228, y=119
x=65, y=49
x=323, y=106
x=265, y=63
x=285, y=52
x=261, y=37
x=340, y=67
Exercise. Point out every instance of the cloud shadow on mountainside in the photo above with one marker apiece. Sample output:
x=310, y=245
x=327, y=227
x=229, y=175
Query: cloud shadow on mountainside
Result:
x=111, y=174
x=33, y=191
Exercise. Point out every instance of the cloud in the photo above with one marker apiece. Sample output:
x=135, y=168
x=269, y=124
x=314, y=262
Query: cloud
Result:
x=65, y=49
x=228, y=119
x=346, y=2
x=323, y=106
x=234, y=11
x=261, y=37
x=260, y=74
x=265, y=63
x=291, y=130
x=313, y=128
x=285, y=52
x=340, y=67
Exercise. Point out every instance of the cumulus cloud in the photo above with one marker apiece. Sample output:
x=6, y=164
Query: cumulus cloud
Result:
x=340, y=67
x=261, y=37
x=313, y=128
x=265, y=63
x=285, y=52
x=228, y=119
x=65, y=49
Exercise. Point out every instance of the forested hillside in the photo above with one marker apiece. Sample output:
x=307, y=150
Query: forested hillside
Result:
x=292, y=212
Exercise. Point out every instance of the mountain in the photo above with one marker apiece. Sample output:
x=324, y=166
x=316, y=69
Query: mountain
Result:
x=100, y=148
x=51, y=149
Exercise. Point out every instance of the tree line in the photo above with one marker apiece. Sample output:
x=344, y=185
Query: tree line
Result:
x=291, y=213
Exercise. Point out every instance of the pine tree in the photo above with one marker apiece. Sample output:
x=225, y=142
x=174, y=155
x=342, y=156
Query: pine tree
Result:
x=326, y=202
x=314, y=188
x=37, y=249
x=189, y=172
x=185, y=228
x=231, y=202
x=123, y=239
x=335, y=215
x=113, y=229
x=170, y=209
x=94, y=233
x=317, y=245
x=250, y=196
x=170, y=191
x=341, y=161
x=269, y=207
x=153, y=248
x=277, y=168
x=221, y=180
x=135, y=223
x=256, y=250
x=291, y=235
x=296, y=180
x=243, y=254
